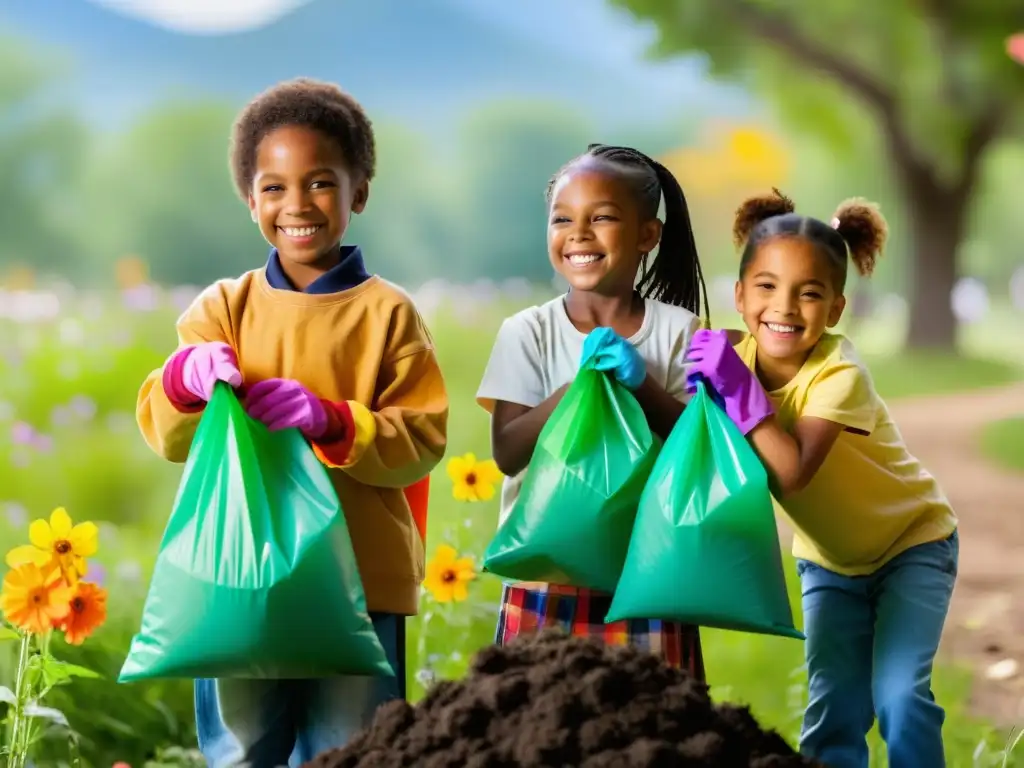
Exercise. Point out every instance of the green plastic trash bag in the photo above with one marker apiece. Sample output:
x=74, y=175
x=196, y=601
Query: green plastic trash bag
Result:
x=255, y=577
x=571, y=521
x=705, y=547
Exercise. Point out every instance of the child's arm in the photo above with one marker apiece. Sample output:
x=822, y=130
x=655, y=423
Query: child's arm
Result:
x=514, y=392
x=792, y=460
x=661, y=408
x=399, y=438
x=168, y=428
x=839, y=399
x=664, y=405
x=515, y=429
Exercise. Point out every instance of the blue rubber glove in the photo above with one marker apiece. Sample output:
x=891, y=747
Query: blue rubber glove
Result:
x=610, y=352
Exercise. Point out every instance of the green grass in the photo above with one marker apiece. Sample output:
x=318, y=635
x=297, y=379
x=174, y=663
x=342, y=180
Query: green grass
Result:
x=101, y=470
x=909, y=374
x=1003, y=443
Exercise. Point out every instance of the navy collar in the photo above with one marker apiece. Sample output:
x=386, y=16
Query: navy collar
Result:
x=347, y=273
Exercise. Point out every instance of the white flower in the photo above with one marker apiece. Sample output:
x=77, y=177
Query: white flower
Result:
x=425, y=677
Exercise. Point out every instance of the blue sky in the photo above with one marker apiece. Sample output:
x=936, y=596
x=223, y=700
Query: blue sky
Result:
x=409, y=59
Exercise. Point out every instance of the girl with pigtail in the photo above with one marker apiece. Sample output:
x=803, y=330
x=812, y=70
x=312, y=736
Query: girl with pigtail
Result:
x=635, y=296
x=875, y=538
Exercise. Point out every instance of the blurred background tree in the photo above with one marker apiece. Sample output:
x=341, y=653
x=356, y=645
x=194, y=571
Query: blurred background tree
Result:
x=162, y=189
x=515, y=148
x=726, y=163
x=41, y=146
x=926, y=81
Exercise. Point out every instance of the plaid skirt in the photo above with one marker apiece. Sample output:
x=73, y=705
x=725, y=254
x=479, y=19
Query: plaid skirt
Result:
x=581, y=612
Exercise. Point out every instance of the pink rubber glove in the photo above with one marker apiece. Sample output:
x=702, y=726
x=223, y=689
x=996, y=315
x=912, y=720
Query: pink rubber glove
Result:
x=1015, y=47
x=284, y=403
x=191, y=373
x=714, y=359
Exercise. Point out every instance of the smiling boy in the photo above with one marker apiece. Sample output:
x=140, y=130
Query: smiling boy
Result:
x=323, y=346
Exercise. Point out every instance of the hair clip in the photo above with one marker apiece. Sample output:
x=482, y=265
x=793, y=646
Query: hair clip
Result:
x=834, y=223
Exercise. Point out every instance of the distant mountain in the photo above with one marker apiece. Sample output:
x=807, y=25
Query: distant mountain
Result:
x=415, y=60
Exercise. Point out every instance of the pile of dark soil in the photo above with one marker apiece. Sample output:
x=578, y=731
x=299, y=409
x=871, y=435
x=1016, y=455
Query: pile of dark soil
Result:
x=550, y=700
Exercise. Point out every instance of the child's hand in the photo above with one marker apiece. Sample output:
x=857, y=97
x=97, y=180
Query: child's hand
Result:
x=192, y=372
x=714, y=360
x=284, y=403
x=611, y=352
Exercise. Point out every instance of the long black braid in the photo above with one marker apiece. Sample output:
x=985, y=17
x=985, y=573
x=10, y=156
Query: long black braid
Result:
x=674, y=275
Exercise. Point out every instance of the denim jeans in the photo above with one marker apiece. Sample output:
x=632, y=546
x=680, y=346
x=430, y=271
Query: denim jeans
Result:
x=871, y=644
x=273, y=723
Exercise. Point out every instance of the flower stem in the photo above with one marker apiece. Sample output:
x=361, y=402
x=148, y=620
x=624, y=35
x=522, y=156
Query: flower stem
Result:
x=19, y=744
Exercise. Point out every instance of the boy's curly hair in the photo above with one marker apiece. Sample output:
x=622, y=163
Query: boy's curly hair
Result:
x=857, y=228
x=321, y=106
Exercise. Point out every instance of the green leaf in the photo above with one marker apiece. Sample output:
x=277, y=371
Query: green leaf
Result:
x=58, y=672
x=7, y=696
x=33, y=672
x=74, y=670
x=7, y=633
x=51, y=714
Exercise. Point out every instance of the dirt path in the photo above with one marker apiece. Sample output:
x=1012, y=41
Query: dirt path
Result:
x=986, y=623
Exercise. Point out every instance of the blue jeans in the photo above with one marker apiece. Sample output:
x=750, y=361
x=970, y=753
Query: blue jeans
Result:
x=871, y=643
x=272, y=723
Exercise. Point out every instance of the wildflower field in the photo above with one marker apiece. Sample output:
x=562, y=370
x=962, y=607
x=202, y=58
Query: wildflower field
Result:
x=83, y=503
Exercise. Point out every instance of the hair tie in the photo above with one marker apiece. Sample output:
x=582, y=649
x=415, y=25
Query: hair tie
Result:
x=834, y=223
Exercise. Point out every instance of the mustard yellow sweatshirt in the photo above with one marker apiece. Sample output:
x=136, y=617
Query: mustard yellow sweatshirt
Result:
x=365, y=349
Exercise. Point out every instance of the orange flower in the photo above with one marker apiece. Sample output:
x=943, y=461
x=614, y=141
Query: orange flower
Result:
x=87, y=612
x=33, y=598
x=448, y=575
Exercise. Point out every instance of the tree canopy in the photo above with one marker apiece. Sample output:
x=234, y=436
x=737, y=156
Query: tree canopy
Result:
x=926, y=81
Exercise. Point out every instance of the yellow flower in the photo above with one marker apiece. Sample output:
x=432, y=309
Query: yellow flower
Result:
x=60, y=541
x=448, y=575
x=474, y=480
x=34, y=598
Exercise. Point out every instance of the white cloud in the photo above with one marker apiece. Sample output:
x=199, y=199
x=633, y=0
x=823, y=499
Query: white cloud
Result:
x=204, y=17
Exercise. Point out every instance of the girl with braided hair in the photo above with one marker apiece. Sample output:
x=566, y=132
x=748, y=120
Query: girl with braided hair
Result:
x=631, y=312
x=876, y=540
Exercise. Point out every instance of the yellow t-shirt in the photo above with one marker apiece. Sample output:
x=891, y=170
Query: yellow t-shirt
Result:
x=871, y=499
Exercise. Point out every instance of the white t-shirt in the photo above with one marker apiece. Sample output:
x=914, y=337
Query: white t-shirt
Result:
x=538, y=351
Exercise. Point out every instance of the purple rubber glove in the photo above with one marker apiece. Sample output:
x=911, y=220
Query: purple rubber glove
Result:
x=191, y=373
x=715, y=360
x=284, y=403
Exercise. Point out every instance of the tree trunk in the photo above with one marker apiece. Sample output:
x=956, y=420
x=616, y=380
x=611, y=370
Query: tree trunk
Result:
x=936, y=222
